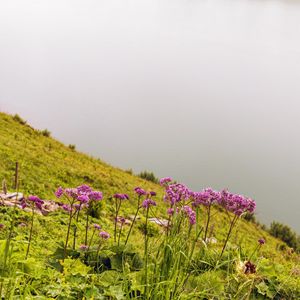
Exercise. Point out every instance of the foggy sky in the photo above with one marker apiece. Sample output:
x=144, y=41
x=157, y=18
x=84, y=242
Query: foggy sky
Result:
x=207, y=92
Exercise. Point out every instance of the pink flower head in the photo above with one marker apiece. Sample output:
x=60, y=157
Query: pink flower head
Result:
x=104, y=235
x=152, y=193
x=177, y=192
x=165, y=181
x=95, y=196
x=83, y=189
x=190, y=214
x=97, y=226
x=83, y=247
x=59, y=192
x=36, y=200
x=206, y=197
x=121, y=220
x=148, y=202
x=83, y=199
x=121, y=196
x=170, y=211
x=71, y=192
x=261, y=241
x=237, y=204
x=139, y=191
x=66, y=207
x=23, y=204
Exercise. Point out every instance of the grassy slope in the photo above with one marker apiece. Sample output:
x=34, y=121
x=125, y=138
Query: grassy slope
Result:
x=46, y=164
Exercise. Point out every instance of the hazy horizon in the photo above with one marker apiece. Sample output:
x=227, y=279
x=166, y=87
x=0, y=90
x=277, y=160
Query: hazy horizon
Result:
x=205, y=92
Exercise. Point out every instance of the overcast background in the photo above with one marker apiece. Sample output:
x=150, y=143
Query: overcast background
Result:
x=207, y=92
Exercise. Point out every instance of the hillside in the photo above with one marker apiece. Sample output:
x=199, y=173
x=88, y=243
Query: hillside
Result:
x=46, y=164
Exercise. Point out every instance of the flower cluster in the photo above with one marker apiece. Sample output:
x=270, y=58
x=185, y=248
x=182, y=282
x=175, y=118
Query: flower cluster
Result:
x=121, y=220
x=206, y=197
x=237, y=204
x=97, y=226
x=121, y=196
x=35, y=201
x=190, y=214
x=177, y=195
x=176, y=192
x=165, y=181
x=140, y=192
x=84, y=194
x=148, y=202
x=104, y=235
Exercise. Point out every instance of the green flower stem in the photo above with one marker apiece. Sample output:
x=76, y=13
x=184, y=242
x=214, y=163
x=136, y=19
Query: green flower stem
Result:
x=120, y=231
x=68, y=232
x=118, y=206
x=256, y=248
x=30, y=234
x=207, y=222
x=235, y=218
x=133, y=221
x=86, y=227
x=146, y=256
x=75, y=229
x=90, y=243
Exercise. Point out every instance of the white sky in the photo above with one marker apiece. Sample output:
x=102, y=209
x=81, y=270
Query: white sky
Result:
x=205, y=91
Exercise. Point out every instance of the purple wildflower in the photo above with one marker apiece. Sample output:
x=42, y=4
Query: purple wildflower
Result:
x=121, y=220
x=121, y=196
x=67, y=208
x=206, y=197
x=104, y=235
x=36, y=200
x=95, y=196
x=177, y=192
x=83, y=198
x=83, y=189
x=170, y=211
x=190, y=214
x=59, y=192
x=237, y=204
x=2, y=226
x=148, y=202
x=139, y=191
x=261, y=241
x=165, y=180
x=97, y=226
x=83, y=247
x=152, y=193
x=71, y=192
x=23, y=204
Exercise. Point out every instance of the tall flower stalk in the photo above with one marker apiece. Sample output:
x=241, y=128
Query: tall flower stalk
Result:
x=140, y=192
x=77, y=198
x=236, y=204
x=146, y=205
x=35, y=203
x=119, y=198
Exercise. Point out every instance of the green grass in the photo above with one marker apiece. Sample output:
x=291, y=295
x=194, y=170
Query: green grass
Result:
x=46, y=164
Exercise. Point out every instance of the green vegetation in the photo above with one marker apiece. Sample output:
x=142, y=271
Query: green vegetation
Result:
x=148, y=176
x=155, y=263
x=286, y=234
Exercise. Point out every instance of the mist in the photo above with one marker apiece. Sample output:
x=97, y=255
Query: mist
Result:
x=205, y=92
